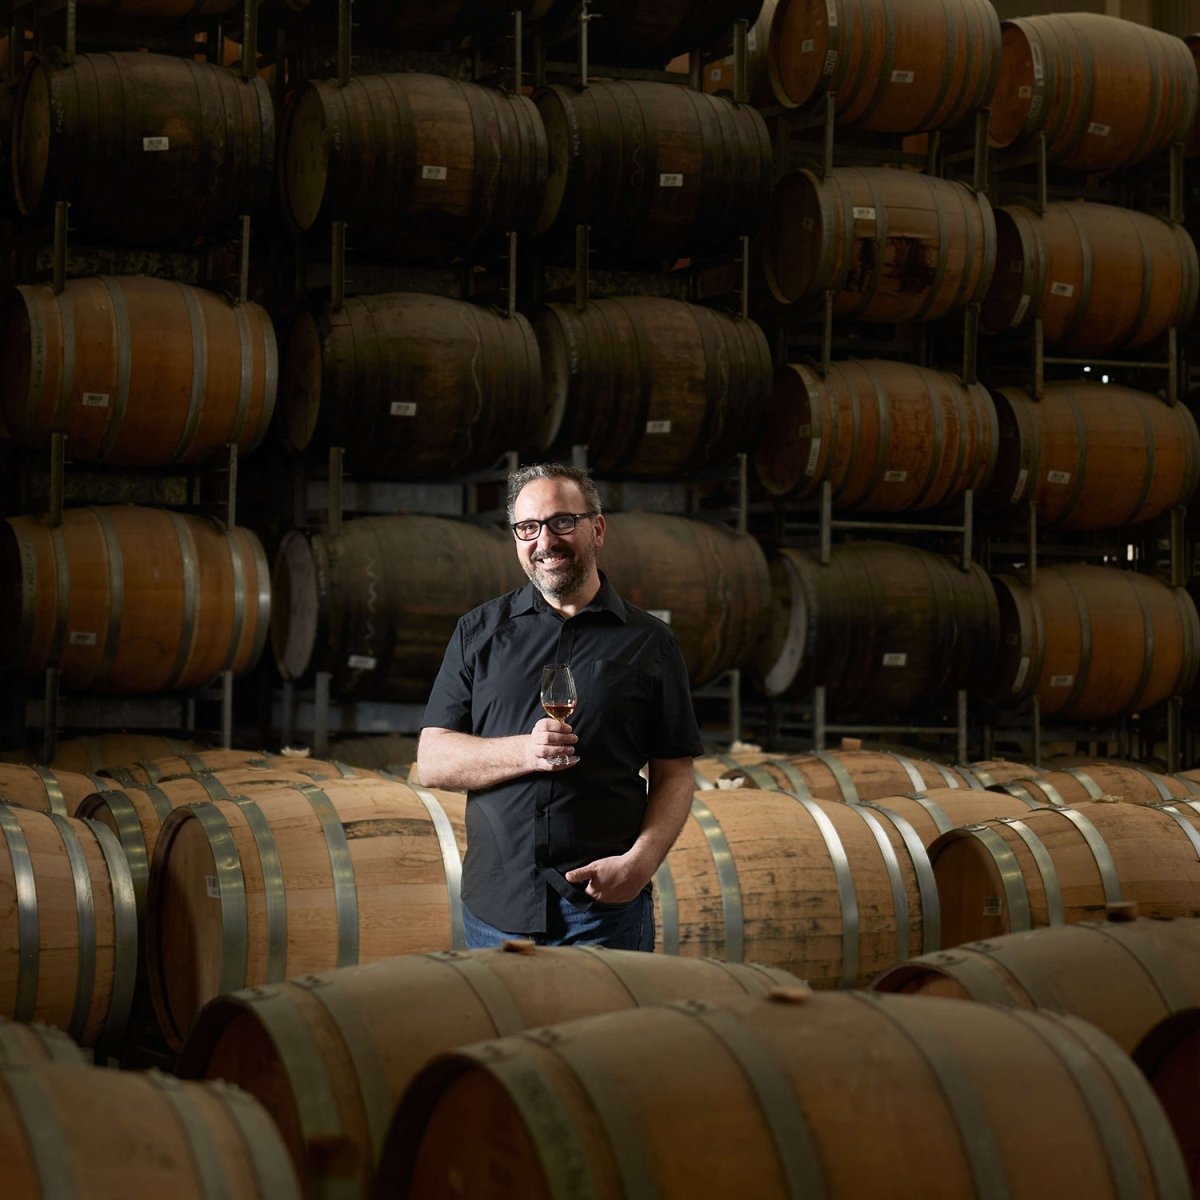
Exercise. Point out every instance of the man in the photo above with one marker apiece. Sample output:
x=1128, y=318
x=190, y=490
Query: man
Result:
x=562, y=853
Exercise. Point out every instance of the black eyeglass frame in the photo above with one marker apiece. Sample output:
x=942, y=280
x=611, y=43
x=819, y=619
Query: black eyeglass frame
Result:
x=575, y=518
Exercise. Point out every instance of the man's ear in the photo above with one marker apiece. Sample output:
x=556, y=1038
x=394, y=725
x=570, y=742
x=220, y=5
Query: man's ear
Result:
x=598, y=526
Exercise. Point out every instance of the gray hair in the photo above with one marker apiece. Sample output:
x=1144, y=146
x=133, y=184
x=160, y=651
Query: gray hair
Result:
x=522, y=475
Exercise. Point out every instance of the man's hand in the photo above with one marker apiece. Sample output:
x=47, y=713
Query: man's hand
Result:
x=552, y=740
x=616, y=880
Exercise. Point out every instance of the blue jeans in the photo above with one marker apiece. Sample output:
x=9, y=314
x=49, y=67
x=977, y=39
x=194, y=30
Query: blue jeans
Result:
x=619, y=927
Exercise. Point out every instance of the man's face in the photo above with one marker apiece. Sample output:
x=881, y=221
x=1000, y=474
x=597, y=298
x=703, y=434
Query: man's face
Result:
x=558, y=564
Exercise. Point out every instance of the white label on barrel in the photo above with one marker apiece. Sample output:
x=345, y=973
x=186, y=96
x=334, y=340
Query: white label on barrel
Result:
x=806, y=46
x=1024, y=91
x=95, y=399
x=715, y=74
x=212, y=887
x=1018, y=491
x=670, y=179
x=1022, y=671
x=156, y=143
x=831, y=12
x=899, y=659
x=830, y=62
x=361, y=662
x=1099, y=130
x=814, y=452
x=1062, y=289
x=433, y=172
x=1039, y=72
x=1019, y=315
x=895, y=476
x=658, y=426
x=863, y=213
x=1058, y=476
x=993, y=906
x=663, y=614
x=404, y=408
x=79, y=637
x=903, y=76
x=1061, y=680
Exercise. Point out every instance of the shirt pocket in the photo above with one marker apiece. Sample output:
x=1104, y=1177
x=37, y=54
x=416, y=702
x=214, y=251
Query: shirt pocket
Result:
x=619, y=690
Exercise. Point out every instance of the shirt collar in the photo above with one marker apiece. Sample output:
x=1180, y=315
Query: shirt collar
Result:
x=605, y=600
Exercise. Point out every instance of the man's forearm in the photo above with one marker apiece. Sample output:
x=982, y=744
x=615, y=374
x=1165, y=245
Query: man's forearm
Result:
x=461, y=761
x=667, y=806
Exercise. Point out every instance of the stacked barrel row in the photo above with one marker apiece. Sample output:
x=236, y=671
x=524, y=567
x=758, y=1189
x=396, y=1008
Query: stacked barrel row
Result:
x=834, y=878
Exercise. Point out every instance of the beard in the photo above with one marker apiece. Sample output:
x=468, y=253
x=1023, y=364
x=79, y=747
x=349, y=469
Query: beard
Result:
x=566, y=577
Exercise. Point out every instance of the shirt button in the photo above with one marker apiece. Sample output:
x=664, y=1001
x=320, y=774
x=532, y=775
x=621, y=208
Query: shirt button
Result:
x=541, y=810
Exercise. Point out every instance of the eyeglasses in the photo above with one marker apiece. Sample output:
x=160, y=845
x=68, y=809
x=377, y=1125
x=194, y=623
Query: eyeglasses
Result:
x=560, y=523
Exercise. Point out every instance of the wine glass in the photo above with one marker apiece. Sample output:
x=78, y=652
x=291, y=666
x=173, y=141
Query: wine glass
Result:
x=558, y=699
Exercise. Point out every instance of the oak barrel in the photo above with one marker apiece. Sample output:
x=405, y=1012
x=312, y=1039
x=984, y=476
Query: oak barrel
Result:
x=1169, y=1058
x=23, y=1043
x=1092, y=456
x=46, y=789
x=823, y=889
x=101, y=752
x=376, y=605
x=653, y=387
x=255, y=890
x=891, y=245
x=411, y=386
x=136, y=372
x=850, y=775
x=146, y=147
x=938, y=810
x=883, y=626
x=69, y=926
x=1099, y=277
x=92, y=1132
x=718, y=74
x=1056, y=866
x=1121, y=976
x=992, y=771
x=1092, y=641
x=655, y=170
x=889, y=66
x=1105, y=92
x=599, y=1106
x=887, y=436
x=421, y=166
x=128, y=599
x=210, y=762
x=1130, y=782
x=340, y=1082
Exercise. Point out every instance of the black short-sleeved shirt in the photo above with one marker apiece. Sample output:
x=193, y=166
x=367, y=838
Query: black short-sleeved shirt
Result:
x=634, y=705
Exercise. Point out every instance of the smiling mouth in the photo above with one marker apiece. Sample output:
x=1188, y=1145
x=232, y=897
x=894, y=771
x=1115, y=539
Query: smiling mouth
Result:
x=553, y=560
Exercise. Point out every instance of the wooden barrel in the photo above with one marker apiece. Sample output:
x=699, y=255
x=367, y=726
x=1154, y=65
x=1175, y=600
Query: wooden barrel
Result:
x=653, y=387
x=1123, y=977
x=136, y=814
x=896, y=66
x=993, y=771
x=421, y=166
x=823, y=889
x=1069, y=454
x=938, y=810
x=251, y=891
x=209, y=762
x=376, y=606
x=146, y=147
x=711, y=767
x=849, y=775
x=136, y=372
x=1093, y=641
x=131, y=600
x=1105, y=92
x=1129, y=782
x=883, y=626
x=412, y=386
x=887, y=436
x=1061, y=865
x=945, y=1090
x=69, y=928
x=338, y=1084
x=75, y=1130
x=1169, y=1058
x=22, y=1044
x=1099, y=277
x=716, y=597
x=718, y=74
x=100, y=752
x=46, y=790
x=892, y=245
x=655, y=170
